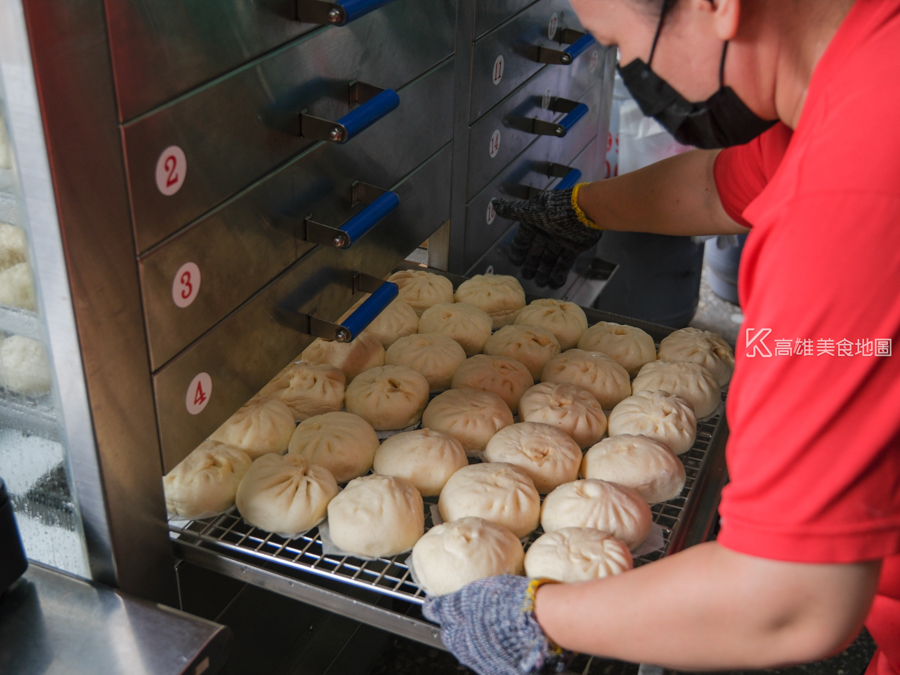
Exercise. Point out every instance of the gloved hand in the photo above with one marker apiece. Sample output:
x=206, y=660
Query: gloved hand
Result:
x=489, y=626
x=553, y=231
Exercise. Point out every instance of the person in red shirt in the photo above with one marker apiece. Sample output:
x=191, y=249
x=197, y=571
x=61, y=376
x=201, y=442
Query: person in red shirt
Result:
x=804, y=97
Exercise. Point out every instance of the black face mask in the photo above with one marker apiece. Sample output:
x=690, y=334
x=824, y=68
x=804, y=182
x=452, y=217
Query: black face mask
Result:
x=721, y=121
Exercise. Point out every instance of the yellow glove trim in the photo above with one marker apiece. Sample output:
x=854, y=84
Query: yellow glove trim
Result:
x=528, y=605
x=582, y=216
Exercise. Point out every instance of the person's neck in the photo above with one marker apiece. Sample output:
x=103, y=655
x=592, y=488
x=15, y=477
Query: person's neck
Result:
x=806, y=28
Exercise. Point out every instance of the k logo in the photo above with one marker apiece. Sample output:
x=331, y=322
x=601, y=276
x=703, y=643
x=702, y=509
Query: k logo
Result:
x=756, y=343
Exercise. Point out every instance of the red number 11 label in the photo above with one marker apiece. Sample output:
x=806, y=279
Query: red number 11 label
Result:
x=171, y=168
x=198, y=393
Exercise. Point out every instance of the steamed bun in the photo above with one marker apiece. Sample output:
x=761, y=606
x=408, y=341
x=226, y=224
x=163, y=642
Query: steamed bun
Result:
x=421, y=290
x=628, y=346
x=691, y=382
x=500, y=493
x=548, y=455
x=308, y=389
x=565, y=320
x=284, y=494
x=13, y=244
x=343, y=443
x=575, y=554
x=638, y=462
x=471, y=417
x=607, y=381
x=24, y=366
x=659, y=415
x=467, y=324
x=353, y=358
x=259, y=427
x=500, y=296
x=424, y=457
x=499, y=375
x=388, y=397
x=17, y=287
x=205, y=482
x=396, y=321
x=436, y=357
x=610, y=508
x=705, y=349
x=529, y=345
x=454, y=554
x=567, y=407
x=376, y=516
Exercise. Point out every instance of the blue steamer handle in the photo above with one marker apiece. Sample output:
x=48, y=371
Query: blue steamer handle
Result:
x=368, y=311
x=368, y=113
x=580, y=46
x=355, y=9
x=573, y=117
x=369, y=217
x=569, y=180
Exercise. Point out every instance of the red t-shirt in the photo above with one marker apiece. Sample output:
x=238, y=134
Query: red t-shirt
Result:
x=814, y=456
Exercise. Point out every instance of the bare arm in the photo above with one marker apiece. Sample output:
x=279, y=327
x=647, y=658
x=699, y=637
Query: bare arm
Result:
x=711, y=608
x=676, y=196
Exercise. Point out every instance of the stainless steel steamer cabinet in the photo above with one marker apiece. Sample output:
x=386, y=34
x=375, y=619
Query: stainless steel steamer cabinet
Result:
x=209, y=183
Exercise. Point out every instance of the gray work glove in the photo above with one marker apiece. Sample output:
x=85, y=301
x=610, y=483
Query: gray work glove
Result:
x=551, y=234
x=489, y=626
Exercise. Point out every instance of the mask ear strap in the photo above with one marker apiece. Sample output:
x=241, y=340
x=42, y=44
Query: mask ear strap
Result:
x=662, y=17
x=722, y=66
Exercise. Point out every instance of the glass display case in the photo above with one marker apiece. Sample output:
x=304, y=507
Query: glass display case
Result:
x=33, y=458
x=78, y=448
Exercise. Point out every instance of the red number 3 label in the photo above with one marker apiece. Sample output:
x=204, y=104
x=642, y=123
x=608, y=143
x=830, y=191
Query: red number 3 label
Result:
x=186, y=285
x=171, y=169
x=198, y=393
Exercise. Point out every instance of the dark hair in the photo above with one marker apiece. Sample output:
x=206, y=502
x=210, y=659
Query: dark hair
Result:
x=654, y=7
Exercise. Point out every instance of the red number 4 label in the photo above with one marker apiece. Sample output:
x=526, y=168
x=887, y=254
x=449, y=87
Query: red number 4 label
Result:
x=198, y=393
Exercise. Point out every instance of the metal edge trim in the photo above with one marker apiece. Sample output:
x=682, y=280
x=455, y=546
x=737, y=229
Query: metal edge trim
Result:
x=372, y=615
x=700, y=511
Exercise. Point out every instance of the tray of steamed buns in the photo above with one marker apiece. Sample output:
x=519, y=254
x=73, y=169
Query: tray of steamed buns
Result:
x=464, y=434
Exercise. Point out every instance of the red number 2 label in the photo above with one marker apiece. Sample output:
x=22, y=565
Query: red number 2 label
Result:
x=171, y=166
x=186, y=285
x=171, y=169
x=198, y=393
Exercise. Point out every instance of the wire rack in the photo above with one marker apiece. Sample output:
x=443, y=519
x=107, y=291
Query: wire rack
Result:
x=228, y=533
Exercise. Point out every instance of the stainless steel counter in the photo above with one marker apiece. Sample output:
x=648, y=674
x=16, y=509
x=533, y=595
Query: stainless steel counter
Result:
x=55, y=623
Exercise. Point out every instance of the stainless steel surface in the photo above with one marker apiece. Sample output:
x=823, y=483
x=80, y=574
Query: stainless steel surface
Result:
x=517, y=43
x=438, y=252
x=162, y=48
x=295, y=587
x=243, y=235
x=228, y=545
x=708, y=492
x=462, y=89
x=530, y=169
x=238, y=128
x=489, y=13
x=233, y=355
x=84, y=260
x=52, y=623
x=511, y=121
